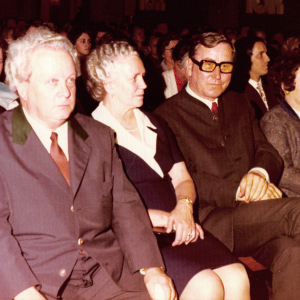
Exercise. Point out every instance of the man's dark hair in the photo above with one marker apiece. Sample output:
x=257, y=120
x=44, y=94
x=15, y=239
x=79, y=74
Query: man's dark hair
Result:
x=209, y=40
x=165, y=41
x=244, y=48
x=181, y=49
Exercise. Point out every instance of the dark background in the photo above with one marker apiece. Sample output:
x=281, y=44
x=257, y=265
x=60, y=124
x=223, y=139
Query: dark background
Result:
x=217, y=13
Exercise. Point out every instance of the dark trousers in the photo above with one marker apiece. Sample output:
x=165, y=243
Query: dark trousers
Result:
x=89, y=281
x=270, y=232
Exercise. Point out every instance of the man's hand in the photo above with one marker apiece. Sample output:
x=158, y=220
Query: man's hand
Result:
x=253, y=186
x=181, y=219
x=30, y=294
x=272, y=192
x=159, y=285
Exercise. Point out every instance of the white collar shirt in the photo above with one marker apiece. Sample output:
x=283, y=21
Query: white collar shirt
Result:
x=205, y=101
x=44, y=134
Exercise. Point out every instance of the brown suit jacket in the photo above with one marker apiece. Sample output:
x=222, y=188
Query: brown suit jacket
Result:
x=219, y=151
x=39, y=231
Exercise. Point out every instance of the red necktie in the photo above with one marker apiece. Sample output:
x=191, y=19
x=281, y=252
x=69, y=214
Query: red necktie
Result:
x=214, y=107
x=59, y=157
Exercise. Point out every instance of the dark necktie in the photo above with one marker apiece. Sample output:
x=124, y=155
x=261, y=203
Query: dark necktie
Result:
x=214, y=107
x=59, y=157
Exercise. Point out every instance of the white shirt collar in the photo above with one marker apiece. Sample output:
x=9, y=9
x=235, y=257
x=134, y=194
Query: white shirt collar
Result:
x=205, y=101
x=255, y=83
x=297, y=112
x=44, y=133
x=145, y=149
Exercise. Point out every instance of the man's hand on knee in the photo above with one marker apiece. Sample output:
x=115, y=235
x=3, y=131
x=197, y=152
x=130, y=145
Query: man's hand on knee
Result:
x=253, y=187
x=159, y=285
x=272, y=192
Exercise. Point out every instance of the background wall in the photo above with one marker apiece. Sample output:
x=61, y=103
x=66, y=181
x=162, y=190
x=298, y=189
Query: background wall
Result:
x=218, y=13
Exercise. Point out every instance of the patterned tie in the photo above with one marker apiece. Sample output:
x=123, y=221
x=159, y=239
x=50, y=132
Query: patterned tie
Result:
x=262, y=94
x=59, y=157
x=214, y=107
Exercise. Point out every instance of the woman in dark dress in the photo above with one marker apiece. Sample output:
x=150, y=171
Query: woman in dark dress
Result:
x=201, y=268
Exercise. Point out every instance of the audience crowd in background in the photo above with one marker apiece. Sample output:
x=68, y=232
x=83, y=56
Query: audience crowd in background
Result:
x=155, y=44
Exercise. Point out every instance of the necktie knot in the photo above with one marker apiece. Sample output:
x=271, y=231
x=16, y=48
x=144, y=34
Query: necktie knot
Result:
x=54, y=137
x=214, y=107
x=59, y=157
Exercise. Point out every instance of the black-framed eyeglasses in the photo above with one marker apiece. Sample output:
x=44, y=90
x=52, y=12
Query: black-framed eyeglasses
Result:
x=210, y=65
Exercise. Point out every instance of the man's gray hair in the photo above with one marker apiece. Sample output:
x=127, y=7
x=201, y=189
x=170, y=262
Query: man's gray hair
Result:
x=99, y=65
x=18, y=62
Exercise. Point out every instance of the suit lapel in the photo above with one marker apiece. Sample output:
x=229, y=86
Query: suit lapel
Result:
x=38, y=158
x=79, y=154
x=33, y=152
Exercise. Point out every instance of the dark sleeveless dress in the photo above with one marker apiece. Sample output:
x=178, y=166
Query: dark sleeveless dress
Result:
x=184, y=261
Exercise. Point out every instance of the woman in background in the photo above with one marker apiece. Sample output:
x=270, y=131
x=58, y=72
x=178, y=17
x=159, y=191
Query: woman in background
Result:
x=281, y=124
x=200, y=269
x=81, y=39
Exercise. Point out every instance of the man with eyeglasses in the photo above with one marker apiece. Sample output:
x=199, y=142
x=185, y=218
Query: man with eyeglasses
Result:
x=234, y=167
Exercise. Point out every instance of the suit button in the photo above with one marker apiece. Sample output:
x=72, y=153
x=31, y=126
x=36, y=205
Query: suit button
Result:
x=72, y=208
x=62, y=272
x=215, y=118
x=80, y=241
x=223, y=143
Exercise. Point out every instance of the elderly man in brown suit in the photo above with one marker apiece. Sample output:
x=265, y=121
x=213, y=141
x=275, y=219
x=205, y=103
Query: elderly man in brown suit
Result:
x=234, y=167
x=71, y=225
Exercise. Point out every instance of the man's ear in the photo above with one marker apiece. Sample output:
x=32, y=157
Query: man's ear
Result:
x=189, y=67
x=22, y=89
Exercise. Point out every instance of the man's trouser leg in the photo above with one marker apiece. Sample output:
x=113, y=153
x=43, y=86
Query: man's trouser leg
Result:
x=270, y=232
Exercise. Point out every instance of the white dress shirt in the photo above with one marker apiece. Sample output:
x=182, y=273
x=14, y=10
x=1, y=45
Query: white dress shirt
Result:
x=44, y=134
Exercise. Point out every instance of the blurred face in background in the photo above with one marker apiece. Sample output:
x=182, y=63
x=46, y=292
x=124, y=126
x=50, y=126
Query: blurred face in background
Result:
x=167, y=55
x=99, y=35
x=83, y=44
x=153, y=46
x=259, y=60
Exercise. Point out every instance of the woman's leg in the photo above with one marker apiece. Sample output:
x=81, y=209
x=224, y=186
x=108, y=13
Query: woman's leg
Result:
x=235, y=281
x=205, y=285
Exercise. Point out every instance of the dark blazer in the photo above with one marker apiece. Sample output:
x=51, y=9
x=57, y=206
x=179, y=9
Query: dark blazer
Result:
x=42, y=218
x=219, y=150
x=253, y=96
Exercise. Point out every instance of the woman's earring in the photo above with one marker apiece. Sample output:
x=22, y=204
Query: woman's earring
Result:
x=286, y=93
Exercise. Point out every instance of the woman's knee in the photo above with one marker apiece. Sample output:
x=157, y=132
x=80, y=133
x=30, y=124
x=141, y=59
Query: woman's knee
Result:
x=235, y=281
x=204, y=285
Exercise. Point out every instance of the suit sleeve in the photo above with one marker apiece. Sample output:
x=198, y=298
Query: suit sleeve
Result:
x=131, y=223
x=15, y=274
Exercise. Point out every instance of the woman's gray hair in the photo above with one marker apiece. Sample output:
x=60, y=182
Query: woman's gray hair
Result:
x=18, y=66
x=99, y=65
